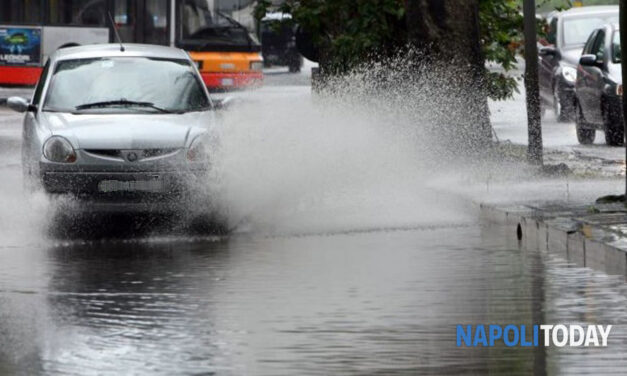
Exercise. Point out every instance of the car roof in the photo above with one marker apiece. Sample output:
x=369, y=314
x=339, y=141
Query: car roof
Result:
x=113, y=50
x=589, y=10
x=610, y=26
x=613, y=26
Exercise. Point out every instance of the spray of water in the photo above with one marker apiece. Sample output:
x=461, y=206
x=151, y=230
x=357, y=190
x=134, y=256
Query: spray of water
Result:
x=379, y=148
x=361, y=155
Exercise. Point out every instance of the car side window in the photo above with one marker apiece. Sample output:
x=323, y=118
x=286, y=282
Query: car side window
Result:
x=587, y=49
x=40, y=85
x=599, y=46
x=552, y=34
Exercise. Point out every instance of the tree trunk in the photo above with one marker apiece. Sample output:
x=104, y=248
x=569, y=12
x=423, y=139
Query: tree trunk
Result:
x=447, y=36
x=623, y=46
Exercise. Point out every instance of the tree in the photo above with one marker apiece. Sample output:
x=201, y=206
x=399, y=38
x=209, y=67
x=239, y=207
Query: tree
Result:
x=348, y=32
x=448, y=35
x=623, y=47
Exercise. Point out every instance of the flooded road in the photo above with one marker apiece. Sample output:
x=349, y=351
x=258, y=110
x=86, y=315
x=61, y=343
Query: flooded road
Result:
x=358, y=303
x=361, y=282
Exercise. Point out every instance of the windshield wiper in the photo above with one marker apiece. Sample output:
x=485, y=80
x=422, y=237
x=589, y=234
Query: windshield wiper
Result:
x=237, y=25
x=122, y=102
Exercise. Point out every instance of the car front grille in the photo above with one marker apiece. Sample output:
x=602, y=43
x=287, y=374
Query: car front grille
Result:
x=121, y=154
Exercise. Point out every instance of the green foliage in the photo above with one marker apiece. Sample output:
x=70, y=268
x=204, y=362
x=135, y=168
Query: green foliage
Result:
x=501, y=24
x=348, y=31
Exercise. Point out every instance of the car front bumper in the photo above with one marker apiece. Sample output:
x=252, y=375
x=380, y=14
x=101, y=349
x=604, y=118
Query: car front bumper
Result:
x=108, y=191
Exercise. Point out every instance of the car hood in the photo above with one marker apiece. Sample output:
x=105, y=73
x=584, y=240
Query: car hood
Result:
x=571, y=56
x=128, y=131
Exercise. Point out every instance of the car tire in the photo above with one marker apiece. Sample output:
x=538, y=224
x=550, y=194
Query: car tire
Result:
x=559, y=107
x=585, y=133
x=614, y=129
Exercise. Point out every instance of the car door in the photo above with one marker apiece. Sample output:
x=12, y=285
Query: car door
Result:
x=548, y=63
x=597, y=80
x=590, y=79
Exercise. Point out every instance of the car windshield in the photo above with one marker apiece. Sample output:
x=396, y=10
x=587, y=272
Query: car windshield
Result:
x=125, y=84
x=616, y=47
x=578, y=29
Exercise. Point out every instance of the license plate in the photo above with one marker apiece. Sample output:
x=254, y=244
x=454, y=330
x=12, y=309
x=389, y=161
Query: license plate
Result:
x=154, y=185
x=227, y=82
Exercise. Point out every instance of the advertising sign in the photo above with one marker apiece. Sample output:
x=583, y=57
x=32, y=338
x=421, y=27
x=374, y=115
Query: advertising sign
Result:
x=20, y=45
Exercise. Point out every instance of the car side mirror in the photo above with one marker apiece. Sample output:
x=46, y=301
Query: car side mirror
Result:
x=548, y=51
x=20, y=104
x=589, y=60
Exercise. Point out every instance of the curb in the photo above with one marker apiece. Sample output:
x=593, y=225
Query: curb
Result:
x=569, y=235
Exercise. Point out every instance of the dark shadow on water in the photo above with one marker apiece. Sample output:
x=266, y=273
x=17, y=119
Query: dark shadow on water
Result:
x=104, y=226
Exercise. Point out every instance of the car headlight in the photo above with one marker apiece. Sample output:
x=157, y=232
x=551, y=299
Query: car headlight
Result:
x=197, y=151
x=58, y=149
x=569, y=73
x=256, y=66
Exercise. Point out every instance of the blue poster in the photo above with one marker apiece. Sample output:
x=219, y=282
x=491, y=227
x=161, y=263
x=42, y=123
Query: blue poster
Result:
x=20, y=45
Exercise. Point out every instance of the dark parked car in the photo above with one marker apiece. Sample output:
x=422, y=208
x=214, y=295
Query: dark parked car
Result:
x=278, y=41
x=568, y=32
x=599, y=88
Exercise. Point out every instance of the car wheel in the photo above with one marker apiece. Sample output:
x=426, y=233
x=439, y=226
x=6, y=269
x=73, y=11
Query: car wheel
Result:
x=614, y=130
x=585, y=133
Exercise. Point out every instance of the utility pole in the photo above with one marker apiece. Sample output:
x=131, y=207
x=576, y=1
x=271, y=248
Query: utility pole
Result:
x=534, y=151
x=623, y=45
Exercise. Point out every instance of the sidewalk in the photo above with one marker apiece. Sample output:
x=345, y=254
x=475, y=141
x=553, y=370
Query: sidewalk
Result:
x=593, y=236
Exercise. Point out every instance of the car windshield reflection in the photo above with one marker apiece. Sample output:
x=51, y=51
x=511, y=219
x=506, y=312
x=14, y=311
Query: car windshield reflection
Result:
x=125, y=84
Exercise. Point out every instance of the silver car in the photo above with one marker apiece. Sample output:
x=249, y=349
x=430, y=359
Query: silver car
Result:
x=121, y=129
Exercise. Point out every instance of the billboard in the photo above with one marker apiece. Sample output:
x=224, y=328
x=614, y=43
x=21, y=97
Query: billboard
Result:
x=20, y=45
